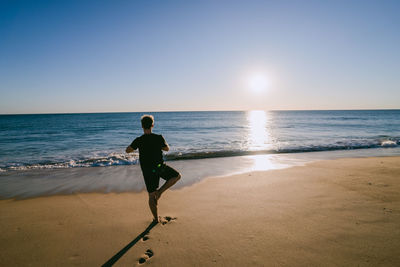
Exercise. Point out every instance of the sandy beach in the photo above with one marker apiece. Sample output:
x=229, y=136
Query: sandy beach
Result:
x=343, y=212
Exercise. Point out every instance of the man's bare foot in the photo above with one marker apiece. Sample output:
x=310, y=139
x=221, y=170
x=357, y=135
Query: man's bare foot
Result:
x=157, y=220
x=162, y=220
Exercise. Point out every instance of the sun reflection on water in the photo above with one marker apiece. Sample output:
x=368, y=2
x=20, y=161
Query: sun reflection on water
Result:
x=265, y=163
x=258, y=137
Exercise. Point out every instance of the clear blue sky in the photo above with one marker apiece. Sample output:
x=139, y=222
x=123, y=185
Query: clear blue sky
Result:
x=104, y=56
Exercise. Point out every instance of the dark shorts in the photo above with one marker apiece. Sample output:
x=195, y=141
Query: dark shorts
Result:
x=152, y=175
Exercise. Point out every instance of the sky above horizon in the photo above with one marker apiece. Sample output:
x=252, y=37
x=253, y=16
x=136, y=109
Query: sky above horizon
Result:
x=122, y=56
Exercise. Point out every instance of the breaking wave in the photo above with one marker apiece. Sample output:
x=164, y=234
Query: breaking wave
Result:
x=115, y=159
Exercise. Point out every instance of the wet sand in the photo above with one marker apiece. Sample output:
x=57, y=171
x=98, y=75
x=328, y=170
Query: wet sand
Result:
x=343, y=212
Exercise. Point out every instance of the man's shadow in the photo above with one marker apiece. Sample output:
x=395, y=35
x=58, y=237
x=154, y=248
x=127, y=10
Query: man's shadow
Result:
x=117, y=256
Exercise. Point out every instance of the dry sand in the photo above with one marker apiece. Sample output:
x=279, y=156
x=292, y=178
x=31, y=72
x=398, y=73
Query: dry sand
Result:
x=330, y=213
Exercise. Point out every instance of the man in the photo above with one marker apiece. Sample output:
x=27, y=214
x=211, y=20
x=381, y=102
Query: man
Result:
x=150, y=147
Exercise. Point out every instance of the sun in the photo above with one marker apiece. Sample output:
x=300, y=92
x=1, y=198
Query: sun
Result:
x=258, y=82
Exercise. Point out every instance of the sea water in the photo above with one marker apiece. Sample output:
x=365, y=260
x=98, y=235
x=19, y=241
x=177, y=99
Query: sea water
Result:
x=42, y=147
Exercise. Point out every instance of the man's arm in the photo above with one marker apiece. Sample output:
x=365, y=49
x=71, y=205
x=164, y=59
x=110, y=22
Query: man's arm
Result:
x=129, y=149
x=164, y=144
x=165, y=148
x=133, y=146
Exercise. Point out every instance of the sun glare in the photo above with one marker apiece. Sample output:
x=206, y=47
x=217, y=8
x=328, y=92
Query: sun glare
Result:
x=258, y=82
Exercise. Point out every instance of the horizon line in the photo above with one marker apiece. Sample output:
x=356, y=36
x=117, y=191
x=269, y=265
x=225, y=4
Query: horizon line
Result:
x=106, y=112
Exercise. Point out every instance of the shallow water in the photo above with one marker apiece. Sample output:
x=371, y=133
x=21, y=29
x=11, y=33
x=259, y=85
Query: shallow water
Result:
x=43, y=182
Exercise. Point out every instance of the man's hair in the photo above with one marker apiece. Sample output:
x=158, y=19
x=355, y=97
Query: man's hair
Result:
x=147, y=121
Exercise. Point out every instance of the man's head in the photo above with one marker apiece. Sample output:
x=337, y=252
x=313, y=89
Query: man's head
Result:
x=147, y=121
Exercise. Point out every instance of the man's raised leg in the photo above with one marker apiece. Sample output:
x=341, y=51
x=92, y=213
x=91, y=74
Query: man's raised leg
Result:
x=166, y=185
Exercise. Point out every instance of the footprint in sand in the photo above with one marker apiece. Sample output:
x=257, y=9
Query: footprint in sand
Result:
x=147, y=255
x=74, y=257
x=387, y=210
x=167, y=219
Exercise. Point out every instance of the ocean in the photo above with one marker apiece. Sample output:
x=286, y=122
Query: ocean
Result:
x=32, y=146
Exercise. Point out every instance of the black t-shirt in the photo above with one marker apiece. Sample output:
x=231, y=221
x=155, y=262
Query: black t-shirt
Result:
x=150, y=153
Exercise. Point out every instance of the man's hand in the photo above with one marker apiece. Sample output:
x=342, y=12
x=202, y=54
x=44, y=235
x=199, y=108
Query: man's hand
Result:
x=129, y=149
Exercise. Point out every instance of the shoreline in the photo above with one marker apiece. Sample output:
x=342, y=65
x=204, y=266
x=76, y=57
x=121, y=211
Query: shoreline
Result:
x=128, y=178
x=330, y=213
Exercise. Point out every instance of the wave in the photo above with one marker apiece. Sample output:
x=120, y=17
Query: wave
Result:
x=115, y=159
x=300, y=149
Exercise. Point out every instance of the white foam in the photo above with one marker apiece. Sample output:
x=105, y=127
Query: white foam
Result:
x=388, y=143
